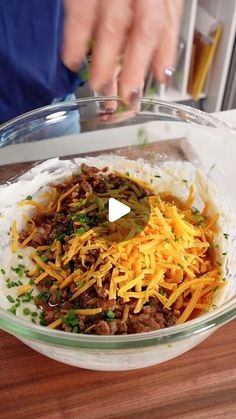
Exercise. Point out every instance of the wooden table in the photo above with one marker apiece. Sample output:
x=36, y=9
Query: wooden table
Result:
x=198, y=384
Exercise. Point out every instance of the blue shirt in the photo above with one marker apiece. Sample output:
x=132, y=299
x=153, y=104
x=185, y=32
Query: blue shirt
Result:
x=31, y=71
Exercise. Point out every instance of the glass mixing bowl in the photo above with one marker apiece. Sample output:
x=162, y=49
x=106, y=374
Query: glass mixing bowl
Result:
x=169, y=132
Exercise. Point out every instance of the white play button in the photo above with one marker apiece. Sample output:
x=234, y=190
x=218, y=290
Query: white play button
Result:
x=116, y=210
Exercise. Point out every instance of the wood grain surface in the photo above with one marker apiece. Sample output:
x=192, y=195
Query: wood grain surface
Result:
x=198, y=384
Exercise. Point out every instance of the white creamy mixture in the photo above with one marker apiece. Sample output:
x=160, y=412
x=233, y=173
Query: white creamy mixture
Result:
x=174, y=177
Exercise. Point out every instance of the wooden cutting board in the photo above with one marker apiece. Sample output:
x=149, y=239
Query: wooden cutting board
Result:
x=199, y=384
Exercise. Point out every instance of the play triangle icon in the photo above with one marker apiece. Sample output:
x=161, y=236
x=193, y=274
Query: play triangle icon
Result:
x=116, y=209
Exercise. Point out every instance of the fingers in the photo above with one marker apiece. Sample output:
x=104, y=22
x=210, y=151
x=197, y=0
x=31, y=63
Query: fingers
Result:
x=114, y=19
x=164, y=59
x=112, y=90
x=78, y=29
x=147, y=26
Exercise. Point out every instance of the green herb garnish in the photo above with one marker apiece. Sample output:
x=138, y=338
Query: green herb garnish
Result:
x=3, y=271
x=42, y=320
x=58, y=294
x=110, y=314
x=44, y=296
x=80, y=283
x=10, y=298
x=142, y=137
x=75, y=329
x=226, y=236
x=28, y=297
x=44, y=258
x=26, y=311
x=28, y=198
x=12, y=310
x=80, y=231
x=71, y=318
x=20, y=270
x=84, y=75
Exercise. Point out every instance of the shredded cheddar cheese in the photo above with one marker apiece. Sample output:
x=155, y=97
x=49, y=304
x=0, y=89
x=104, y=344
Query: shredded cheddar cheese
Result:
x=15, y=237
x=169, y=260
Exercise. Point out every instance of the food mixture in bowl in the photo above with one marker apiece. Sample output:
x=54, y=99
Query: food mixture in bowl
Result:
x=65, y=266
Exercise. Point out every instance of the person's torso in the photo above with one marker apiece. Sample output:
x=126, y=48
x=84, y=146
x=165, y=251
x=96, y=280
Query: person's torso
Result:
x=31, y=71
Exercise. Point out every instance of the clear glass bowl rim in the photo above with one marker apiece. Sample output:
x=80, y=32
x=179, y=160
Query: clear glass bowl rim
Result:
x=207, y=322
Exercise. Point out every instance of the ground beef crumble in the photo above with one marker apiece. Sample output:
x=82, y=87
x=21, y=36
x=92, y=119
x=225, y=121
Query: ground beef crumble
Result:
x=61, y=226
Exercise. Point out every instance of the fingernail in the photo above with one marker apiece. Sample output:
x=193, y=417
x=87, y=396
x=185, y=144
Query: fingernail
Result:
x=134, y=96
x=110, y=110
x=169, y=73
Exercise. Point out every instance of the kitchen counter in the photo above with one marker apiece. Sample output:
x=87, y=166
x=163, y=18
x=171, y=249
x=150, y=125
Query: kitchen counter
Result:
x=199, y=384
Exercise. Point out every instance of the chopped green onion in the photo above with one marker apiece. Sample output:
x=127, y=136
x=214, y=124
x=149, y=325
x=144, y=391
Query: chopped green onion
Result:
x=142, y=137
x=110, y=314
x=180, y=266
x=12, y=310
x=28, y=198
x=10, y=298
x=26, y=311
x=80, y=283
x=71, y=318
x=226, y=236
x=28, y=297
x=75, y=329
x=80, y=231
x=3, y=271
x=58, y=294
x=44, y=296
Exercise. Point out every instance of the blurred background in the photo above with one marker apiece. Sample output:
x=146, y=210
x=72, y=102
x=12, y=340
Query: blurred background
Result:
x=206, y=59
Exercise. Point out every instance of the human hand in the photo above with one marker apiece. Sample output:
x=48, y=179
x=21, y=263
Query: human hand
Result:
x=134, y=34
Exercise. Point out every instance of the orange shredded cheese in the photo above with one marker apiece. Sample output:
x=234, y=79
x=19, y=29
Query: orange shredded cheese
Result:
x=30, y=237
x=125, y=313
x=55, y=324
x=15, y=237
x=62, y=197
x=46, y=268
x=24, y=289
x=169, y=260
